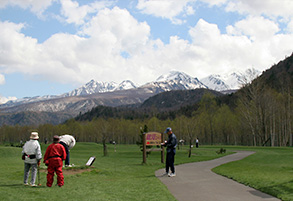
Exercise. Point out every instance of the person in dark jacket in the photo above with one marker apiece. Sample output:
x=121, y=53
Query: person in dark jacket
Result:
x=171, y=145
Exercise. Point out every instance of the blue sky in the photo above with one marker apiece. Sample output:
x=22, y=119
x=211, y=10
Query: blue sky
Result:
x=51, y=47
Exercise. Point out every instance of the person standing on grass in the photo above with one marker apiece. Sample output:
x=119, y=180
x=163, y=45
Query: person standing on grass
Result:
x=31, y=154
x=196, y=142
x=68, y=143
x=171, y=145
x=54, y=156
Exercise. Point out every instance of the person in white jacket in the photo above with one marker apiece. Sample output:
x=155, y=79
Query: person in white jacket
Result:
x=68, y=141
x=31, y=154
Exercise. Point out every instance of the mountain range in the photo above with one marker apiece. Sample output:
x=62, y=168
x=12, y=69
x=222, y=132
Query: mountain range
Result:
x=174, y=80
x=94, y=93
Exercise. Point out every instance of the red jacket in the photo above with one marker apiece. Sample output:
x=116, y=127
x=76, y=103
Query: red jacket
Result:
x=55, y=150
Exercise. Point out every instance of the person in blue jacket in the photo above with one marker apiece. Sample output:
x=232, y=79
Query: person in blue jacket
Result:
x=171, y=145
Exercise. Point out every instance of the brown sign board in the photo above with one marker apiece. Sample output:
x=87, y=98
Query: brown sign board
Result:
x=153, y=138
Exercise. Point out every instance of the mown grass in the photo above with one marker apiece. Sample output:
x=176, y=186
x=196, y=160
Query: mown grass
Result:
x=270, y=170
x=119, y=176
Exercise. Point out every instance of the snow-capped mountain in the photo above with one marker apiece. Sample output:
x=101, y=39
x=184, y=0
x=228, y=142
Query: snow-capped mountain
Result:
x=232, y=81
x=93, y=87
x=126, y=84
x=174, y=80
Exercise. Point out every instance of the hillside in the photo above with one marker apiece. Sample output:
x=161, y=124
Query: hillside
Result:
x=175, y=99
x=58, y=110
x=160, y=105
x=279, y=76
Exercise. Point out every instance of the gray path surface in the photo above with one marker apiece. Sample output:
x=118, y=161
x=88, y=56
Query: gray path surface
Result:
x=196, y=182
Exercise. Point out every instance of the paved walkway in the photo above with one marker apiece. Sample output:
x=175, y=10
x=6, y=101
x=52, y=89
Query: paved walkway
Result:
x=196, y=182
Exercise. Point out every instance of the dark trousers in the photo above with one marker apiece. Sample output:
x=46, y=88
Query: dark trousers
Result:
x=67, y=152
x=170, y=161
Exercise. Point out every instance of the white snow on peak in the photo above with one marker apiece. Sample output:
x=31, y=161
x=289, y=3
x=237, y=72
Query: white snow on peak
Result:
x=101, y=87
x=231, y=81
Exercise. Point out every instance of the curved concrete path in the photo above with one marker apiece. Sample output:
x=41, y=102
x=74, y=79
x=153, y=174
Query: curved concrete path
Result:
x=196, y=181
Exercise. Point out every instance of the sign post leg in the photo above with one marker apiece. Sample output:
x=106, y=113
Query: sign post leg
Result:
x=144, y=148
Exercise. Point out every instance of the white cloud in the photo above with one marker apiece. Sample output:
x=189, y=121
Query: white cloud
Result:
x=272, y=8
x=117, y=29
x=290, y=27
x=18, y=52
x=77, y=14
x=242, y=47
x=5, y=100
x=255, y=27
x=2, y=79
x=36, y=6
x=168, y=9
x=68, y=58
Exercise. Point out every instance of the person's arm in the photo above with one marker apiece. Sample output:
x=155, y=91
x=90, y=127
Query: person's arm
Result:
x=38, y=152
x=72, y=143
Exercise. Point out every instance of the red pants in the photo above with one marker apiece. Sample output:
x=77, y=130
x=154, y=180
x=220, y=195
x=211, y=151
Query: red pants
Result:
x=55, y=165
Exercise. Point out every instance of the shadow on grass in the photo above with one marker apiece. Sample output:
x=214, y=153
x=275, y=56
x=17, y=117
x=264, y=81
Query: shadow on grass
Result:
x=19, y=186
x=279, y=189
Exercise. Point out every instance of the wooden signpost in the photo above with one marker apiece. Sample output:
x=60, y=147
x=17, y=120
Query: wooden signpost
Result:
x=152, y=139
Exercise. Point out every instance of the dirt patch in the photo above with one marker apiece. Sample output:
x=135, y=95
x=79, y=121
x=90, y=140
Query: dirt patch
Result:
x=71, y=171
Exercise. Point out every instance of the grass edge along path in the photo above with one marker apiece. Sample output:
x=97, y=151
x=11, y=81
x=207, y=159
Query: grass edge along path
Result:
x=269, y=169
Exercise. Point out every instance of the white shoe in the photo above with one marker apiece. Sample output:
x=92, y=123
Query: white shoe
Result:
x=68, y=165
x=26, y=184
x=33, y=185
x=172, y=175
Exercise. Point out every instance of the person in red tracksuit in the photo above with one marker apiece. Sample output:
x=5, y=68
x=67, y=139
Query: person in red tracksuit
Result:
x=54, y=157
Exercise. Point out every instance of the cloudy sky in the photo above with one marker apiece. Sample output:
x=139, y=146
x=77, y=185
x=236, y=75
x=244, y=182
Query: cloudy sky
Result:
x=51, y=47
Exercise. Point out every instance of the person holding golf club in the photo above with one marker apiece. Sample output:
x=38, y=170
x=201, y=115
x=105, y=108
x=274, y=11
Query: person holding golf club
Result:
x=171, y=145
x=54, y=156
x=31, y=154
x=68, y=142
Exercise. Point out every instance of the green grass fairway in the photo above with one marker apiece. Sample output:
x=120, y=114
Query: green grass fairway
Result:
x=270, y=170
x=119, y=176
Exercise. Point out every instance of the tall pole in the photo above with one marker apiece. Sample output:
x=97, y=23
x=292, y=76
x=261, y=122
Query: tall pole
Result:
x=144, y=148
x=162, y=151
